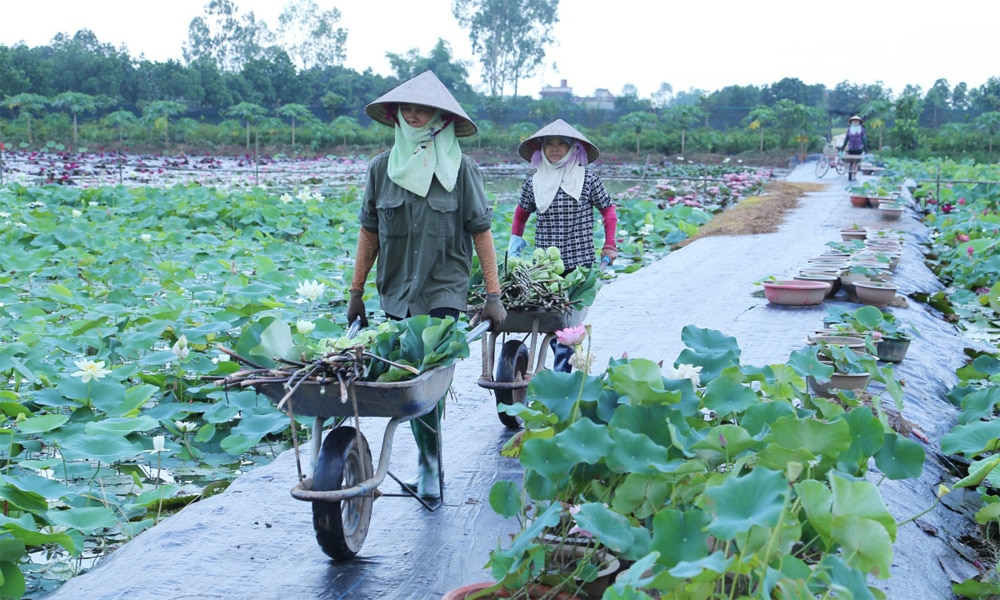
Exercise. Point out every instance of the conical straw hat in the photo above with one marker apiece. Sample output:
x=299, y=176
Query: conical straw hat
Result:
x=560, y=128
x=424, y=89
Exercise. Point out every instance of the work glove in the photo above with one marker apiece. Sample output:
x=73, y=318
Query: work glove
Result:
x=516, y=245
x=356, y=308
x=494, y=312
x=609, y=254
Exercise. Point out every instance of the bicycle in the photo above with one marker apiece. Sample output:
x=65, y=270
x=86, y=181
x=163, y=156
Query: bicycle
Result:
x=830, y=158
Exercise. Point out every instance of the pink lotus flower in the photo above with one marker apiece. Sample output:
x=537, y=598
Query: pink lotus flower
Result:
x=572, y=336
x=962, y=237
x=961, y=201
x=970, y=250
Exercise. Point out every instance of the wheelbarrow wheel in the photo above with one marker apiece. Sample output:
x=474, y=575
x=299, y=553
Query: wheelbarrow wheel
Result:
x=511, y=367
x=344, y=461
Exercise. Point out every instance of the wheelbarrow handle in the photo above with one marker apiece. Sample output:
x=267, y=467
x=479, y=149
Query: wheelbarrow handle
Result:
x=477, y=332
x=355, y=327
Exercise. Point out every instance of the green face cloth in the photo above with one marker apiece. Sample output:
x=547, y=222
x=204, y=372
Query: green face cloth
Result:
x=420, y=153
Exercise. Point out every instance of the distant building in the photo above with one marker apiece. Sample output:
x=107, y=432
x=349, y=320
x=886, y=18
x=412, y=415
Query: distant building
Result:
x=563, y=92
x=601, y=100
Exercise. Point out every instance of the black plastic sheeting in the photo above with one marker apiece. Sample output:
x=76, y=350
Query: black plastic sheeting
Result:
x=255, y=540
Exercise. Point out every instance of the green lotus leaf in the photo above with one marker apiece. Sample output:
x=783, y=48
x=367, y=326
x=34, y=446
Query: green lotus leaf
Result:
x=607, y=526
x=275, y=342
x=842, y=576
x=826, y=439
x=805, y=362
x=979, y=404
x=709, y=568
x=679, y=536
x=544, y=456
x=867, y=545
x=900, y=458
x=861, y=499
x=505, y=498
x=867, y=435
x=648, y=420
x=559, y=392
x=121, y=426
x=35, y=425
x=741, y=502
x=584, y=441
x=641, y=380
x=725, y=396
x=641, y=495
x=979, y=471
x=759, y=415
x=817, y=502
x=636, y=453
x=87, y=519
x=725, y=441
x=972, y=439
x=107, y=448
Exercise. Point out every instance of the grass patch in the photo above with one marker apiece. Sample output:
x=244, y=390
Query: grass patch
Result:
x=757, y=214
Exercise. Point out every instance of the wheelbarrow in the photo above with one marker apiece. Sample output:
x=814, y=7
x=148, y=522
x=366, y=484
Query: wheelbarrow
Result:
x=342, y=488
x=526, y=335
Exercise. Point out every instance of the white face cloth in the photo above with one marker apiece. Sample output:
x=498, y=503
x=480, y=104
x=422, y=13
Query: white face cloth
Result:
x=567, y=174
x=854, y=128
x=420, y=153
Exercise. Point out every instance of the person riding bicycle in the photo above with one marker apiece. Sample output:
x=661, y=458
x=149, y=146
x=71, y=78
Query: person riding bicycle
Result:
x=855, y=142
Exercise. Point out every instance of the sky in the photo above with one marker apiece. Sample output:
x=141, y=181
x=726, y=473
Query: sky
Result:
x=688, y=44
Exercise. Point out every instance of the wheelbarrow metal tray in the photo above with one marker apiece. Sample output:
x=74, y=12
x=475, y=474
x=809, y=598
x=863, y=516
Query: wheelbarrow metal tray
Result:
x=410, y=398
x=522, y=321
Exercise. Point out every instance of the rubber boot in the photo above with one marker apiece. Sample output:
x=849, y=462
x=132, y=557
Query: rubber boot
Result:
x=428, y=457
x=560, y=357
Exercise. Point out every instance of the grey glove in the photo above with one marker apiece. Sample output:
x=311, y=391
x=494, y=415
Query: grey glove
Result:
x=356, y=308
x=516, y=245
x=494, y=312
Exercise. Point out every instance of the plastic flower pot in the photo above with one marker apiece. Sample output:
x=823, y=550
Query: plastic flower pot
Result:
x=854, y=382
x=792, y=292
x=890, y=211
x=859, y=201
x=892, y=349
x=833, y=280
x=875, y=293
x=849, y=234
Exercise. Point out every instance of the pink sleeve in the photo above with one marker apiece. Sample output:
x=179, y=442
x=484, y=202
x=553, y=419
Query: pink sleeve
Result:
x=610, y=217
x=520, y=220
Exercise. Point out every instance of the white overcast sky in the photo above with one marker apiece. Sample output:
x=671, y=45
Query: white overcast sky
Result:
x=701, y=44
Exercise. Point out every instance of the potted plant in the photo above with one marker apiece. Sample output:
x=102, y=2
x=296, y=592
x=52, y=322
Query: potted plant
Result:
x=702, y=476
x=795, y=292
x=875, y=293
x=852, y=368
x=891, y=338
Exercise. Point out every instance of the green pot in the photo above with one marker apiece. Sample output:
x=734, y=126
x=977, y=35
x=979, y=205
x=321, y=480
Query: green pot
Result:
x=892, y=350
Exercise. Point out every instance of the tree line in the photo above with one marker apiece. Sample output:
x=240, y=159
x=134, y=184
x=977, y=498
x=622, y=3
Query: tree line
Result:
x=241, y=83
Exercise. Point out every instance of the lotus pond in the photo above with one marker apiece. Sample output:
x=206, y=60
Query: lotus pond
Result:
x=115, y=297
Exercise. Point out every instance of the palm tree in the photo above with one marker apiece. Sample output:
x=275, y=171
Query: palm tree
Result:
x=990, y=123
x=75, y=103
x=159, y=113
x=760, y=117
x=120, y=120
x=28, y=105
x=295, y=111
x=877, y=114
x=685, y=117
x=248, y=112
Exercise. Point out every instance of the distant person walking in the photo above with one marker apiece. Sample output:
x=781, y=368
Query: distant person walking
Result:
x=423, y=212
x=855, y=143
x=564, y=193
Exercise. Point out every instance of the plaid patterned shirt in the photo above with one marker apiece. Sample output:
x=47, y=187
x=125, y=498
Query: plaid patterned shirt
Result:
x=568, y=224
